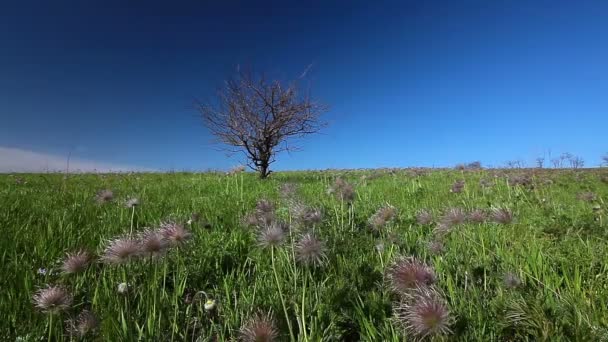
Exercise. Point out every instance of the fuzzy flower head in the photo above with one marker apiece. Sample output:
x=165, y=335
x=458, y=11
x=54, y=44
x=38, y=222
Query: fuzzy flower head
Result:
x=423, y=315
x=436, y=247
x=76, y=262
x=382, y=217
x=52, y=299
x=511, y=280
x=587, y=196
x=502, y=215
x=259, y=328
x=476, y=216
x=272, y=236
x=424, y=217
x=454, y=216
x=288, y=190
x=152, y=243
x=175, y=233
x=121, y=250
x=407, y=274
x=457, y=187
x=343, y=190
x=262, y=216
x=310, y=250
x=85, y=324
x=132, y=202
x=304, y=215
x=104, y=196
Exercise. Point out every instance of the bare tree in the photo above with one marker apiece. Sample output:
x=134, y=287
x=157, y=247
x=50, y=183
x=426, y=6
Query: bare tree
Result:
x=261, y=118
x=605, y=159
x=557, y=163
x=576, y=162
x=540, y=162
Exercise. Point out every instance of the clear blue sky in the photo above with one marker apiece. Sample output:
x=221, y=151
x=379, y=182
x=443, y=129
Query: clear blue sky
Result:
x=410, y=83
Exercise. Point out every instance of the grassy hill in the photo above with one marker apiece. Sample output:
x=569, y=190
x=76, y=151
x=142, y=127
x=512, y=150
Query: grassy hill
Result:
x=382, y=256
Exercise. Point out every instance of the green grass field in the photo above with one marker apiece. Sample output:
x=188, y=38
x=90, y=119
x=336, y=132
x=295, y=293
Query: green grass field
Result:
x=541, y=276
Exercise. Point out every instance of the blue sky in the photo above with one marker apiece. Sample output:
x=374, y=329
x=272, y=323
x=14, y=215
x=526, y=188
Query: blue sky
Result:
x=410, y=83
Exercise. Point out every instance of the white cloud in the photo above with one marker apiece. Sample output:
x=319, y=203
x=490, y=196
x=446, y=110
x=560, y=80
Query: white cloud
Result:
x=18, y=160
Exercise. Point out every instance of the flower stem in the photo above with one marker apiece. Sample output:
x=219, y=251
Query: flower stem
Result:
x=305, y=276
x=276, y=278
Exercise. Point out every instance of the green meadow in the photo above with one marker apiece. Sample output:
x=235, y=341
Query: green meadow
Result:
x=532, y=265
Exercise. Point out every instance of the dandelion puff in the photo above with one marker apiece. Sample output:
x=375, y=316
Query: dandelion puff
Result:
x=152, y=243
x=259, y=328
x=104, y=196
x=477, y=216
x=310, y=250
x=175, y=233
x=511, y=280
x=76, y=262
x=85, y=324
x=408, y=273
x=454, y=216
x=121, y=250
x=271, y=236
x=424, y=314
x=424, y=217
x=52, y=299
x=132, y=202
x=502, y=215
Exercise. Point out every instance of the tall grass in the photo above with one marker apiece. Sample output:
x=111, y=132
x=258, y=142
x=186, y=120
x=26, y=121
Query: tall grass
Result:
x=556, y=247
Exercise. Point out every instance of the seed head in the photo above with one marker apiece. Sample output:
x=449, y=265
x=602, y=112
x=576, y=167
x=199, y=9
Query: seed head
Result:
x=175, y=233
x=407, y=274
x=587, y=196
x=132, y=202
x=84, y=324
x=382, y=217
x=152, y=243
x=502, y=215
x=457, y=187
x=310, y=250
x=76, y=262
x=343, y=191
x=121, y=250
x=424, y=217
x=288, y=190
x=476, y=216
x=436, y=247
x=511, y=280
x=454, y=216
x=304, y=215
x=104, y=196
x=424, y=314
x=52, y=299
x=259, y=328
x=272, y=236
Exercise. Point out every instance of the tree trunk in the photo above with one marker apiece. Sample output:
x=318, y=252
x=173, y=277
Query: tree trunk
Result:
x=264, y=169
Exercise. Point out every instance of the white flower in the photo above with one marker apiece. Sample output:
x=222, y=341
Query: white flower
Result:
x=209, y=305
x=122, y=288
x=42, y=271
